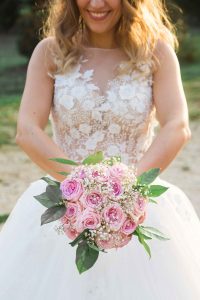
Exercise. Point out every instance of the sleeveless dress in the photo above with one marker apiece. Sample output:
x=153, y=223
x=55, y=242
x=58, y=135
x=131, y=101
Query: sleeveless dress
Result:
x=97, y=108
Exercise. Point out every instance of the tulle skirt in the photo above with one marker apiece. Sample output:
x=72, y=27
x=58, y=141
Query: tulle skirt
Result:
x=38, y=264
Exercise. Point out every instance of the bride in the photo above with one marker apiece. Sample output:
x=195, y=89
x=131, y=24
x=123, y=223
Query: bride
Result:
x=105, y=75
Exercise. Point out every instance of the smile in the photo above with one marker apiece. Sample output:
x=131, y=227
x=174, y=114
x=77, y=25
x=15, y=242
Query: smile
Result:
x=99, y=16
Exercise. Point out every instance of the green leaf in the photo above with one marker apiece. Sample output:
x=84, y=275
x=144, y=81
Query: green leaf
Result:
x=79, y=238
x=141, y=239
x=153, y=233
x=65, y=161
x=93, y=158
x=63, y=173
x=3, y=218
x=145, y=245
x=148, y=177
x=93, y=246
x=85, y=257
x=44, y=200
x=153, y=201
x=54, y=193
x=52, y=214
x=156, y=190
x=50, y=181
x=143, y=235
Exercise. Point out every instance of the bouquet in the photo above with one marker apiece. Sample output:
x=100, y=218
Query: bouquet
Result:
x=101, y=205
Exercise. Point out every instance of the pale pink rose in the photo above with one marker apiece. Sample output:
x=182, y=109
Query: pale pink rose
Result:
x=117, y=187
x=94, y=199
x=72, y=211
x=65, y=221
x=82, y=174
x=103, y=179
x=142, y=218
x=71, y=233
x=95, y=174
x=140, y=205
x=124, y=240
x=71, y=189
x=128, y=226
x=116, y=171
x=105, y=244
x=114, y=216
x=88, y=219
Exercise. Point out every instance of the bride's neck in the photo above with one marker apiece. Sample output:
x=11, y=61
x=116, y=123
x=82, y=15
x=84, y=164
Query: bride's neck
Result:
x=100, y=40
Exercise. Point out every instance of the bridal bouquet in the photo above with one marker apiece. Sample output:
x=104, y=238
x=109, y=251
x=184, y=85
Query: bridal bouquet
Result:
x=101, y=205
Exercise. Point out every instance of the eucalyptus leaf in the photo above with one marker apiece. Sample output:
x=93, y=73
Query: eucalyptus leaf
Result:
x=153, y=233
x=50, y=181
x=44, y=200
x=85, y=257
x=148, y=177
x=145, y=245
x=93, y=158
x=65, y=161
x=54, y=193
x=141, y=239
x=156, y=190
x=52, y=214
x=143, y=235
x=153, y=201
x=63, y=173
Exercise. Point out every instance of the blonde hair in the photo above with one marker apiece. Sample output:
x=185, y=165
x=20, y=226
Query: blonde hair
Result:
x=142, y=24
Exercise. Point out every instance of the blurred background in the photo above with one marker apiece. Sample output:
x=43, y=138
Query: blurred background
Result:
x=20, y=24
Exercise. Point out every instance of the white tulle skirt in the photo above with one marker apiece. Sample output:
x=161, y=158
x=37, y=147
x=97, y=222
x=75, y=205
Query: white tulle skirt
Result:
x=38, y=264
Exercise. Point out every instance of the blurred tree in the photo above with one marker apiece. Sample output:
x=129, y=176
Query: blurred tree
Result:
x=191, y=10
x=29, y=25
x=9, y=11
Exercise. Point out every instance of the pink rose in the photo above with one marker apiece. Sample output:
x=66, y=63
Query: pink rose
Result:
x=117, y=187
x=128, y=226
x=142, y=218
x=82, y=174
x=71, y=189
x=65, y=221
x=95, y=174
x=73, y=209
x=123, y=241
x=105, y=244
x=88, y=219
x=140, y=205
x=93, y=200
x=71, y=233
x=114, y=216
x=116, y=171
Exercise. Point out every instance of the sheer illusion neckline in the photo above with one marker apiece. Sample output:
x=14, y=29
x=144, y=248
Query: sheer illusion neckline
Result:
x=87, y=76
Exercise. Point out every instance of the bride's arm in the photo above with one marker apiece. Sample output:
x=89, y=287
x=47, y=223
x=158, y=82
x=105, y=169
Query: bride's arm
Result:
x=171, y=110
x=34, y=113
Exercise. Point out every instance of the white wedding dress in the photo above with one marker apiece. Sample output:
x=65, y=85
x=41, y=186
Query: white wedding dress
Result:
x=95, y=108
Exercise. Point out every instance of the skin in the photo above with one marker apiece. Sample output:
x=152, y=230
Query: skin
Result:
x=101, y=32
x=168, y=96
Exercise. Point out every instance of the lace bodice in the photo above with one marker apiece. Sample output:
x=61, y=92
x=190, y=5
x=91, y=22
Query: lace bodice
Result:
x=96, y=108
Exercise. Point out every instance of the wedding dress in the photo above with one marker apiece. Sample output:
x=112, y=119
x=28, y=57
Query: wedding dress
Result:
x=97, y=107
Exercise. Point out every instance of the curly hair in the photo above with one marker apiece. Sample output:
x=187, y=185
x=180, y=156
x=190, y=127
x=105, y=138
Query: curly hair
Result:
x=142, y=24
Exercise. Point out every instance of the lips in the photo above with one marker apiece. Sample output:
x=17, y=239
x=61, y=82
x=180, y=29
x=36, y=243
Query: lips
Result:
x=98, y=16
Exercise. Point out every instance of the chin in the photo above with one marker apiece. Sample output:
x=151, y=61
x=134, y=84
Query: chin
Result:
x=98, y=30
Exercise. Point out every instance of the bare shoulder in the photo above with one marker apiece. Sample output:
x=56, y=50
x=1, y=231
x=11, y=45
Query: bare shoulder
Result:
x=165, y=55
x=43, y=53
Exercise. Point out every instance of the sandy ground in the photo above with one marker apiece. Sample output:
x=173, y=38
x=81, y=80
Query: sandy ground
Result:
x=17, y=172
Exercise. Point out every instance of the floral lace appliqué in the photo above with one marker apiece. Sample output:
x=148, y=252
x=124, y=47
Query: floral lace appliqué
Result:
x=120, y=122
